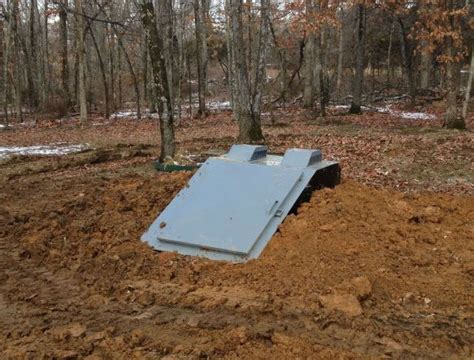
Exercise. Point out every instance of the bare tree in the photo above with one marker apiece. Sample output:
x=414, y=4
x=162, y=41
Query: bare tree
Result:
x=340, y=53
x=468, y=86
x=33, y=86
x=6, y=51
x=425, y=68
x=407, y=55
x=105, y=53
x=452, y=120
x=389, y=55
x=309, y=59
x=16, y=78
x=63, y=38
x=160, y=79
x=360, y=59
x=200, y=16
x=248, y=86
x=81, y=61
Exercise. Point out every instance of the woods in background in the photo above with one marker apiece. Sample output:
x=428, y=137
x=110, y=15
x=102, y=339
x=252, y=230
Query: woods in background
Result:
x=66, y=56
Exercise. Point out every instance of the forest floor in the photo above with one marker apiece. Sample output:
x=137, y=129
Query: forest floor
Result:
x=381, y=266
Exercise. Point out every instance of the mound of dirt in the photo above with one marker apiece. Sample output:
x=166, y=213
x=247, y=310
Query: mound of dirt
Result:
x=356, y=272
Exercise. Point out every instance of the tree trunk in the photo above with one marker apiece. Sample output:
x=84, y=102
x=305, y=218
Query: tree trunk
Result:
x=81, y=61
x=451, y=119
x=260, y=66
x=340, y=53
x=160, y=79
x=317, y=66
x=33, y=56
x=283, y=76
x=323, y=73
x=6, y=60
x=407, y=56
x=46, y=58
x=132, y=73
x=389, y=56
x=3, y=87
x=165, y=26
x=145, y=79
x=180, y=62
x=246, y=105
x=16, y=80
x=309, y=61
x=112, y=52
x=121, y=46
x=102, y=72
x=201, y=53
x=119, y=75
x=230, y=58
x=20, y=41
x=468, y=86
x=322, y=76
x=425, y=69
x=360, y=60
x=63, y=35
x=247, y=24
x=190, y=88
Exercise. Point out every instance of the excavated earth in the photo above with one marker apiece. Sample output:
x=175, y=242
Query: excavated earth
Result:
x=356, y=273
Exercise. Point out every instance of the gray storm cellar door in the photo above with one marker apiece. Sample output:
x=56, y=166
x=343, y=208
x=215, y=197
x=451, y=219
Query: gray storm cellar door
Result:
x=233, y=204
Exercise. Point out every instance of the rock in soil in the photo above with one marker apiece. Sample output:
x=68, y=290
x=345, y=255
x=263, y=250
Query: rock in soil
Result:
x=346, y=303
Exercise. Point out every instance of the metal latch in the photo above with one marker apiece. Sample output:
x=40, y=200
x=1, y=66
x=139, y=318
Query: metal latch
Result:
x=275, y=203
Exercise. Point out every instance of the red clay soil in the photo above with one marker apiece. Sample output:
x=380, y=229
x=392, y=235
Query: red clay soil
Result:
x=357, y=273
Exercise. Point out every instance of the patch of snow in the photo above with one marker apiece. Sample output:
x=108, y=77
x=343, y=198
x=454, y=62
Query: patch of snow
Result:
x=45, y=150
x=384, y=110
x=132, y=114
x=406, y=114
x=389, y=110
x=123, y=114
x=219, y=105
x=347, y=107
x=340, y=107
x=417, y=116
x=23, y=124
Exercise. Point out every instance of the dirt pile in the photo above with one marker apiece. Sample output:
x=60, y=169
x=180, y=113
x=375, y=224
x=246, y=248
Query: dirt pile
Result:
x=356, y=272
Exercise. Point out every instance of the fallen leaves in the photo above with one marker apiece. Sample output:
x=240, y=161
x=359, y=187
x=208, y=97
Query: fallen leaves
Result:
x=377, y=149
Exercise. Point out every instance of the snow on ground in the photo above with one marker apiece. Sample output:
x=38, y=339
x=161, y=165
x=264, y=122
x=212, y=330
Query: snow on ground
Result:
x=218, y=105
x=406, y=114
x=51, y=150
x=215, y=105
x=415, y=115
x=123, y=114
x=133, y=114
x=389, y=110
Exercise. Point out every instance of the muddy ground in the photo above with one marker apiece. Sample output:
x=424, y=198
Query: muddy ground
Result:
x=377, y=268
